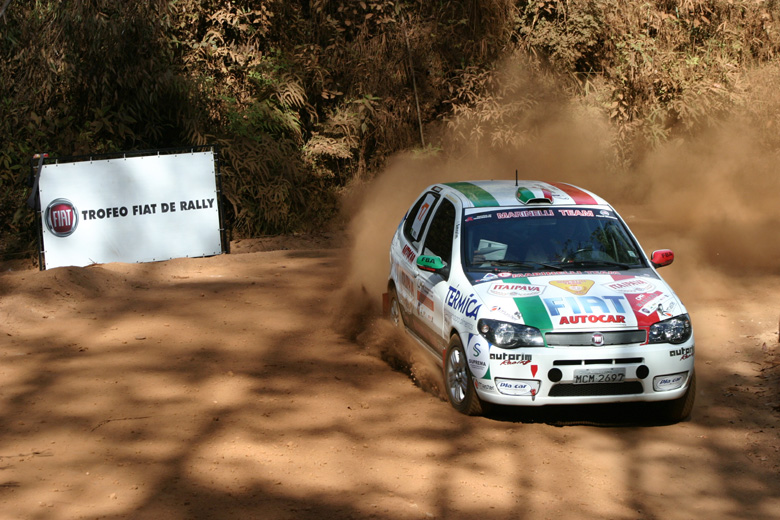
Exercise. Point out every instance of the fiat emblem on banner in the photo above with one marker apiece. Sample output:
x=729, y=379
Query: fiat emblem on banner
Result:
x=61, y=217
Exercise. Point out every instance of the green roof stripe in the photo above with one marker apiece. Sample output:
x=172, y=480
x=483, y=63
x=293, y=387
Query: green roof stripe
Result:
x=479, y=197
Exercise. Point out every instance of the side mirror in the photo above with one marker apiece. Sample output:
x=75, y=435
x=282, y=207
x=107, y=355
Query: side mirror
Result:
x=433, y=264
x=662, y=258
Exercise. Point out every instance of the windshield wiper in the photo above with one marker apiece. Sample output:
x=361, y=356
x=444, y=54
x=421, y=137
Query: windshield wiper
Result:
x=599, y=263
x=526, y=264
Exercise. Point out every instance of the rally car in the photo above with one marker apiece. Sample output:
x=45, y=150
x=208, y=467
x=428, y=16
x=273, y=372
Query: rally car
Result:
x=532, y=293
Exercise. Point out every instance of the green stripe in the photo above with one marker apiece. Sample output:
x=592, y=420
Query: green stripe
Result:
x=533, y=309
x=524, y=195
x=479, y=197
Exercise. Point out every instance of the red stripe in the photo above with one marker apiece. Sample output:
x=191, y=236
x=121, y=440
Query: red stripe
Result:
x=579, y=196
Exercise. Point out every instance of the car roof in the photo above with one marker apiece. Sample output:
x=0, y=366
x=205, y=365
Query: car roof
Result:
x=484, y=194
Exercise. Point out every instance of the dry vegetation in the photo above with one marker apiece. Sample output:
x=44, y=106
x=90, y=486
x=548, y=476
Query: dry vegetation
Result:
x=305, y=98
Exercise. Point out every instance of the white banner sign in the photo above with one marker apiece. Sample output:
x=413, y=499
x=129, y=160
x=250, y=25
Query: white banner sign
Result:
x=134, y=209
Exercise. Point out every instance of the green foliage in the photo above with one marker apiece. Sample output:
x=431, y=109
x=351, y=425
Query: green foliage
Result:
x=305, y=97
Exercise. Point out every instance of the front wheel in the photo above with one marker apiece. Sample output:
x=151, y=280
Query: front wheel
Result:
x=458, y=381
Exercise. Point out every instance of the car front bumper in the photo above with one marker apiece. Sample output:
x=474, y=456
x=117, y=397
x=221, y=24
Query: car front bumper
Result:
x=582, y=375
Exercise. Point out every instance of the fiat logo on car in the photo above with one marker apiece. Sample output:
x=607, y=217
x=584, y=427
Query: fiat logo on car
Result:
x=61, y=217
x=597, y=339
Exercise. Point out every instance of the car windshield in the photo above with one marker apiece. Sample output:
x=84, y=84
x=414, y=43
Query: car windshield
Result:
x=555, y=239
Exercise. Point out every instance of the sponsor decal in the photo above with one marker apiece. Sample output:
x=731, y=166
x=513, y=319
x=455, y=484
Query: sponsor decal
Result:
x=423, y=299
x=507, y=386
x=408, y=254
x=425, y=306
x=406, y=282
x=477, y=355
x=585, y=305
x=592, y=318
x=506, y=314
x=670, y=382
x=684, y=353
x=666, y=308
x=483, y=386
x=479, y=217
x=649, y=303
x=511, y=359
x=515, y=290
x=533, y=274
x=574, y=286
x=458, y=320
x=61, y=218
x=576, y=212
x=466, y=305
x=488, y=277
x=632, y=285
x=525, y=213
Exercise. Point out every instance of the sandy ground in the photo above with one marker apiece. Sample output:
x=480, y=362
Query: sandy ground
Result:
x=246, y=386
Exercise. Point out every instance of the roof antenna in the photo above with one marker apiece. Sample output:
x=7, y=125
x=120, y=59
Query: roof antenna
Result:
x=515, y=177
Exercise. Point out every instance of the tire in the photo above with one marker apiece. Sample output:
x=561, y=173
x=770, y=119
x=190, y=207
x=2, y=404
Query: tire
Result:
x=458, y=381
x=396, y=315
x=681, y=408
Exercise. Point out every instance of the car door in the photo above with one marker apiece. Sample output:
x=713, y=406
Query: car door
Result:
x=432, y=287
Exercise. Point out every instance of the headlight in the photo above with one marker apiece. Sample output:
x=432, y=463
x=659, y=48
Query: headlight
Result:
x=510, y=335
x=674, y=330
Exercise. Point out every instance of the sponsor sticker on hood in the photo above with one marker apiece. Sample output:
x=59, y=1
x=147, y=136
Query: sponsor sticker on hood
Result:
x=574, y=286
x=515, y=290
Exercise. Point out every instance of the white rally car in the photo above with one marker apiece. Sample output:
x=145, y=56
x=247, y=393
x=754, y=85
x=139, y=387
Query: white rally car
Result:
x=531, y=293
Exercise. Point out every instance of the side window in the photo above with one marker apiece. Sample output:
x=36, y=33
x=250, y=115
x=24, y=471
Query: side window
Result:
x=418, y=217
x=438, y=242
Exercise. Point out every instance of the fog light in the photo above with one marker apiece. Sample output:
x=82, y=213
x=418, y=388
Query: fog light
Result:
x=518, y=386
x=555, y=375
x=669, y=382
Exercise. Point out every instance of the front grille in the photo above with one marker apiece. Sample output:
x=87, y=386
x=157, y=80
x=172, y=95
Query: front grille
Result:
x=618, y=361
x=570, y=390
x=580, y=339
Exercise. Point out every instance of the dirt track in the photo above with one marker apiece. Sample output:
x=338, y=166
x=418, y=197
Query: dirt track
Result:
x=220, y=388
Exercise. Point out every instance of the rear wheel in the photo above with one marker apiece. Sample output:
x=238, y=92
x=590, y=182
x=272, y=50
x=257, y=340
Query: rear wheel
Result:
x=395, y=309
x=458, y=381
x=681, y=408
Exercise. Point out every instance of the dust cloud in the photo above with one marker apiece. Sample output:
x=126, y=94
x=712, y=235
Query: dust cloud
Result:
x=708, y=197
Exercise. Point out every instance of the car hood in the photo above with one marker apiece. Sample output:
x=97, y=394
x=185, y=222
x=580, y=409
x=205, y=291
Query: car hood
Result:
x=578, y=301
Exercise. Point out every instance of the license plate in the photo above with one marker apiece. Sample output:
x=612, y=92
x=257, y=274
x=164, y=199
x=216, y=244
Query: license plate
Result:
x=600, y=375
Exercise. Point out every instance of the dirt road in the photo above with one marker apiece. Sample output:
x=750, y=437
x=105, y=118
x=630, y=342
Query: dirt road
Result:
x=221, y=388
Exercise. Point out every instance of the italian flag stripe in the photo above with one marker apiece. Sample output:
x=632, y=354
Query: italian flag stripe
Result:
x=579, y=196
x=479, y=197
x=533, y=309
x=524, y=195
